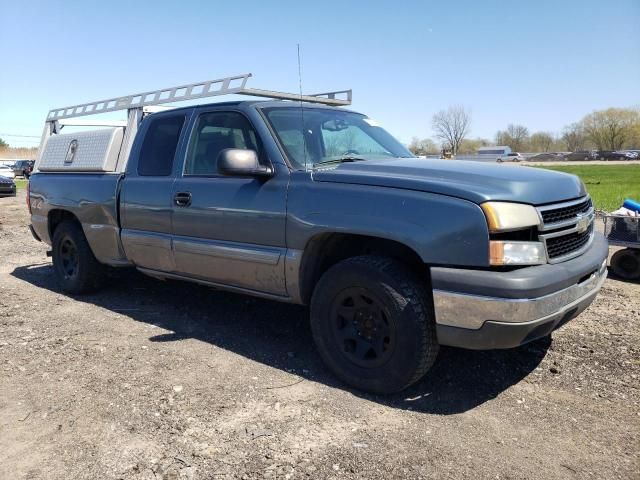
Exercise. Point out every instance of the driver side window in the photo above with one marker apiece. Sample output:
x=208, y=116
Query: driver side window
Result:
x=213, y=133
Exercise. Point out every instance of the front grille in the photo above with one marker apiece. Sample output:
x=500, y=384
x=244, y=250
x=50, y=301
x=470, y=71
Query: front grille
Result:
x=566, y=244
x=560, y=214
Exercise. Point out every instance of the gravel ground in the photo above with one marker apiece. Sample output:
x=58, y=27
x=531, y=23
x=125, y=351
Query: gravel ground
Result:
x=165, y=380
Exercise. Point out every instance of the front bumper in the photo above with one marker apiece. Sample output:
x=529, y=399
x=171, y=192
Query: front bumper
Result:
x=487, y=309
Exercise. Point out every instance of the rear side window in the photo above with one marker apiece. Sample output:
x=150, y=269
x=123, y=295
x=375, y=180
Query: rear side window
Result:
x=159, y=146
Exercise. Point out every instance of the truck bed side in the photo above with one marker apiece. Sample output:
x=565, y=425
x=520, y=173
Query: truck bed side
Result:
x=92, y=199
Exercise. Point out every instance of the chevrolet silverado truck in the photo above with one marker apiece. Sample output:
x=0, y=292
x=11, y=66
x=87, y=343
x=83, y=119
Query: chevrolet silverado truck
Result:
x=296, y=199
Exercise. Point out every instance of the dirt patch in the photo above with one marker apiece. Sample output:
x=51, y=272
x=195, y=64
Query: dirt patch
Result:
x=150, y=380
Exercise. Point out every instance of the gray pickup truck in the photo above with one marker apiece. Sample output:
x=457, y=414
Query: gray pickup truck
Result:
x=309, y=203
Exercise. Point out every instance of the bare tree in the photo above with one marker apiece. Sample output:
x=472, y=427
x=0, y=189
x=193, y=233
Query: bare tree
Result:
x=422, y=146
x=574, y=137
x=515, y=136
x=519, y=136
x=452, y=126
x=471, y=145
x=541, y=141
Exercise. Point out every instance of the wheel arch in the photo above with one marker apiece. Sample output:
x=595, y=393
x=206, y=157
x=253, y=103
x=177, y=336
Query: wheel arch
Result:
x=57, y=216
x=326, y=249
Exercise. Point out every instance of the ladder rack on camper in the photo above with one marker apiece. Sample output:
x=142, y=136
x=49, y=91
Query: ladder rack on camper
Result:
x=123, y=132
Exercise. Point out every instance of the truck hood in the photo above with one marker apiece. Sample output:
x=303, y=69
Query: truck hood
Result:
x=474, y=181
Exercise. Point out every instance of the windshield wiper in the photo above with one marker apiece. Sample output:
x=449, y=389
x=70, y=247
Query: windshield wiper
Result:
x=343, y=159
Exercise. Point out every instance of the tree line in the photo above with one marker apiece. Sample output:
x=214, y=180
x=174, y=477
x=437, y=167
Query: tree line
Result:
x=610, y=129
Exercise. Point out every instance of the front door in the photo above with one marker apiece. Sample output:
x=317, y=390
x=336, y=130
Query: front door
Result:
x=228, y=229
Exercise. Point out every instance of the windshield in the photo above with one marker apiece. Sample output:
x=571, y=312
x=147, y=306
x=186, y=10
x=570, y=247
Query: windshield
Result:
x=330, y=135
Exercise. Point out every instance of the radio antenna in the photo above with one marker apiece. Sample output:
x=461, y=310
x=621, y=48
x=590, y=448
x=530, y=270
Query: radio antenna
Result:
x=304, y=136
x=299, y=73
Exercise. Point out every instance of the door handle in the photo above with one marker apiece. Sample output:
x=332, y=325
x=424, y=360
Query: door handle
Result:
x=182, y=199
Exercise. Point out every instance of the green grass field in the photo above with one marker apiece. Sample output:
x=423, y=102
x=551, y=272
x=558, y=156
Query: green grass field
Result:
x=20, y=183
x=608, y=185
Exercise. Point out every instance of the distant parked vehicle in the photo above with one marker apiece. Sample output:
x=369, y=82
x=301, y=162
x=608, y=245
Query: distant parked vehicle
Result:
x=581, y=155
x=546, y=157
x=6, y=171
x=23, y=168
x=510, y=157
x=493, y=152
x=616, y=155
x=7, y=187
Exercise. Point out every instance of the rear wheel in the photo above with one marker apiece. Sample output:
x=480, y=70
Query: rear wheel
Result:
x=626, y=264
x=373, y=325
x=75, y=266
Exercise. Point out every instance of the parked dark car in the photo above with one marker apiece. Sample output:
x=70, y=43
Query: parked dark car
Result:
x=617, y=155
x=546, y=157
x=23, y=168
x=7, y=187
x=581, y=155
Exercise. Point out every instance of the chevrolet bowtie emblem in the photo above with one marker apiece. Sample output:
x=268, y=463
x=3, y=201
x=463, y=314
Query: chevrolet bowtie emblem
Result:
x=583, y=223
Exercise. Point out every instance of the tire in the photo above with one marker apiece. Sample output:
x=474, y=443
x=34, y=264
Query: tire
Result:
x=76, y=268
x=372, y=322
x=626, y=264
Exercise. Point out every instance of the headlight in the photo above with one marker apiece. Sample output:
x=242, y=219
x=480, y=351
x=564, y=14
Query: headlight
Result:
x=503, y=252
x=503, y=216
x=511, y=217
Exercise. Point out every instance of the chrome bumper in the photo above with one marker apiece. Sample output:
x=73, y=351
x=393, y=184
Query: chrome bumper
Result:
x=471, y=312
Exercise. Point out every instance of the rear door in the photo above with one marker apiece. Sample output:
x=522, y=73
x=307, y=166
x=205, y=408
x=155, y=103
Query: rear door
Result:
x=146, y=195
x=229, y=229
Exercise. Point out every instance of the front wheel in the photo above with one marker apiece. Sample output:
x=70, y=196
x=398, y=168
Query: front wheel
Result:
x=75, y=266
x=372, y=322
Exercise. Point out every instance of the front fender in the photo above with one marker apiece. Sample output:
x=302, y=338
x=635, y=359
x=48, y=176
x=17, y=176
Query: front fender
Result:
x=442, y=230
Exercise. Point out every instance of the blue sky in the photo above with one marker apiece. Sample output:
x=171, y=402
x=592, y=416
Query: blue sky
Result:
x=540, y=63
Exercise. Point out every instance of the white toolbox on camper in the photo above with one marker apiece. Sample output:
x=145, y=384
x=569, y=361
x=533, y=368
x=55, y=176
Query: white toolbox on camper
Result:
x=92, y=151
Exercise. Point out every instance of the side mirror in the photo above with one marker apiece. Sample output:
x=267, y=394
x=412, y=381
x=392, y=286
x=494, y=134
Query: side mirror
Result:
x=238, y=162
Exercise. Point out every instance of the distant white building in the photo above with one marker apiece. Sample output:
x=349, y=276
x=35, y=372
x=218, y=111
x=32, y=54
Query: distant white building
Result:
x=498, y=150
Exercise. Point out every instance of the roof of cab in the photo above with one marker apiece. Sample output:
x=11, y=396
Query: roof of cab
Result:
x=261, y=103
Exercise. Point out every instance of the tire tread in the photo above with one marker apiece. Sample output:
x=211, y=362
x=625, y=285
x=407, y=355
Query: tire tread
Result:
x=93, y=274
x=412, y=291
